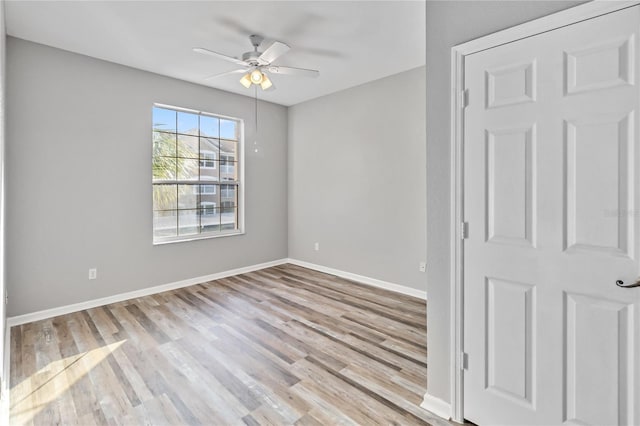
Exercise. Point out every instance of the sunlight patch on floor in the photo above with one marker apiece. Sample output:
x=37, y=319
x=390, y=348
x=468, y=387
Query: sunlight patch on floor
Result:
x=36, y=392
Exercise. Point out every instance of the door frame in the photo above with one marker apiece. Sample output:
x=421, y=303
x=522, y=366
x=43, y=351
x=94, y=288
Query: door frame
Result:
x=458, y=98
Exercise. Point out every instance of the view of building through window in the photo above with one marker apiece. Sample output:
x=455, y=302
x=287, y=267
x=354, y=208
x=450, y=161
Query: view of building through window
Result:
x=195, y=174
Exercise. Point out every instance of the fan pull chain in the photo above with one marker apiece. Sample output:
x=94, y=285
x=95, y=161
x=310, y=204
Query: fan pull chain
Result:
x=255, y=141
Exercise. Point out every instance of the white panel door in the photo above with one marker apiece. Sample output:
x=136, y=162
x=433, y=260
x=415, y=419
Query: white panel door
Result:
x=551, y=197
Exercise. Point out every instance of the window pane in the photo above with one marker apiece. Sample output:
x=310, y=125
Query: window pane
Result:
x=165, y=197
x=228, y=129
x=164, y=144
x=188, y=196
x=165, y=224
x=188, y=146
x=188, y=169
x=207, y=190
x=208, y=173
x=188, y=222
x=229, y=149
x=209, y=144
x=209, y=166
x=188, y=123
x=210, y=219
x=208, y=158
x=228, y=193
x=228, y=218
x=164, y=119
x=209, y=199
x=164, y=168
x=209, y=126
x=228, y=170
x=207, y=209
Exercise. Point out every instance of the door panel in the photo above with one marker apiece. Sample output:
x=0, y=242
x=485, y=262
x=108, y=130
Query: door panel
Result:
x=552, y=199
x=510, y=321
x=601, y=65
x=510, y=196
x=597, y=389
x=598, y=173
x=511, y=84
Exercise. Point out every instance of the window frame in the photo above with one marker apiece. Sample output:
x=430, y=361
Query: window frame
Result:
x=238, y=183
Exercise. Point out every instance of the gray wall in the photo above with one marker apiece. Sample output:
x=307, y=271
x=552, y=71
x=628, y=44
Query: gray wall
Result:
x=79, y=180
x=357, y=179
x=450, y=23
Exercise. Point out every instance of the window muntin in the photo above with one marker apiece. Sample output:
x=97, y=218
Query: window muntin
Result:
x=193, y=154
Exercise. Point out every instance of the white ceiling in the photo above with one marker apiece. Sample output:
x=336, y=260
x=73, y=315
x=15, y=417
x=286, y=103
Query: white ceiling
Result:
x=350, y=42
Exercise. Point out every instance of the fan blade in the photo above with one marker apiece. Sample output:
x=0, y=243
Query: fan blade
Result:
x=273, y=52
x=219, y=56
x=302, y=72
x=238, y=71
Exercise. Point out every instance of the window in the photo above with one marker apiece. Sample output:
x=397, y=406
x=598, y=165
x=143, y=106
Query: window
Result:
x=195, y=169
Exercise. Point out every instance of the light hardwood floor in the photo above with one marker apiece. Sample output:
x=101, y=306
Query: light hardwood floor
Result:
x=284, y=345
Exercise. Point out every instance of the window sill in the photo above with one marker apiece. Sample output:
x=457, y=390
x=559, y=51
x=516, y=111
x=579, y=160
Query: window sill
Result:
x=172, y=240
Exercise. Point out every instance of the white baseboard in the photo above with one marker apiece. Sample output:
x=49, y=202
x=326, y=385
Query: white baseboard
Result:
x=362, y=279
x=62, y=310
x=437, y=406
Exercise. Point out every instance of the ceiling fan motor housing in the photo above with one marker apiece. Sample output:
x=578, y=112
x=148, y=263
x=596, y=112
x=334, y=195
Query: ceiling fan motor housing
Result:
x=251, y=57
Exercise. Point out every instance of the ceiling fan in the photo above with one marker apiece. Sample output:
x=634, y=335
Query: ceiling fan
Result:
x=255, y=65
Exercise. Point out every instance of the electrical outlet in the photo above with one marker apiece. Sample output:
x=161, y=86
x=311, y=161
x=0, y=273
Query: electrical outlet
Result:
x=422, y=267
x=93, y=273
x=316, y=246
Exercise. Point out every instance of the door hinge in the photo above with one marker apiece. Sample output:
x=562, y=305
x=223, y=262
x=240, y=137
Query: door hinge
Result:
x=464, y=361
x=464, y=230
x=464, y=98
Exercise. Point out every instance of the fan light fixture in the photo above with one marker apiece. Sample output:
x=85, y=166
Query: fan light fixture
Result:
x=255, y=65
x=246, y=80
x=266, y=83
x=256, y=77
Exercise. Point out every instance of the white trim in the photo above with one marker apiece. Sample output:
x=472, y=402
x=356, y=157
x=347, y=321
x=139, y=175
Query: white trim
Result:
x=362, y=279
x=62, y=310
x=456, y=310
x=437, y=406
x=196, y=237
x=548, y=23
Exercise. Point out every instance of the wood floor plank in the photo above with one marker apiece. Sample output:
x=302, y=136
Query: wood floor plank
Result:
x=280, y=346
x=352, y=288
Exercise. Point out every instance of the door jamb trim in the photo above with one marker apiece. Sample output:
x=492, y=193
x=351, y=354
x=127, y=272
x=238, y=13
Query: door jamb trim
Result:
x=528, y=29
